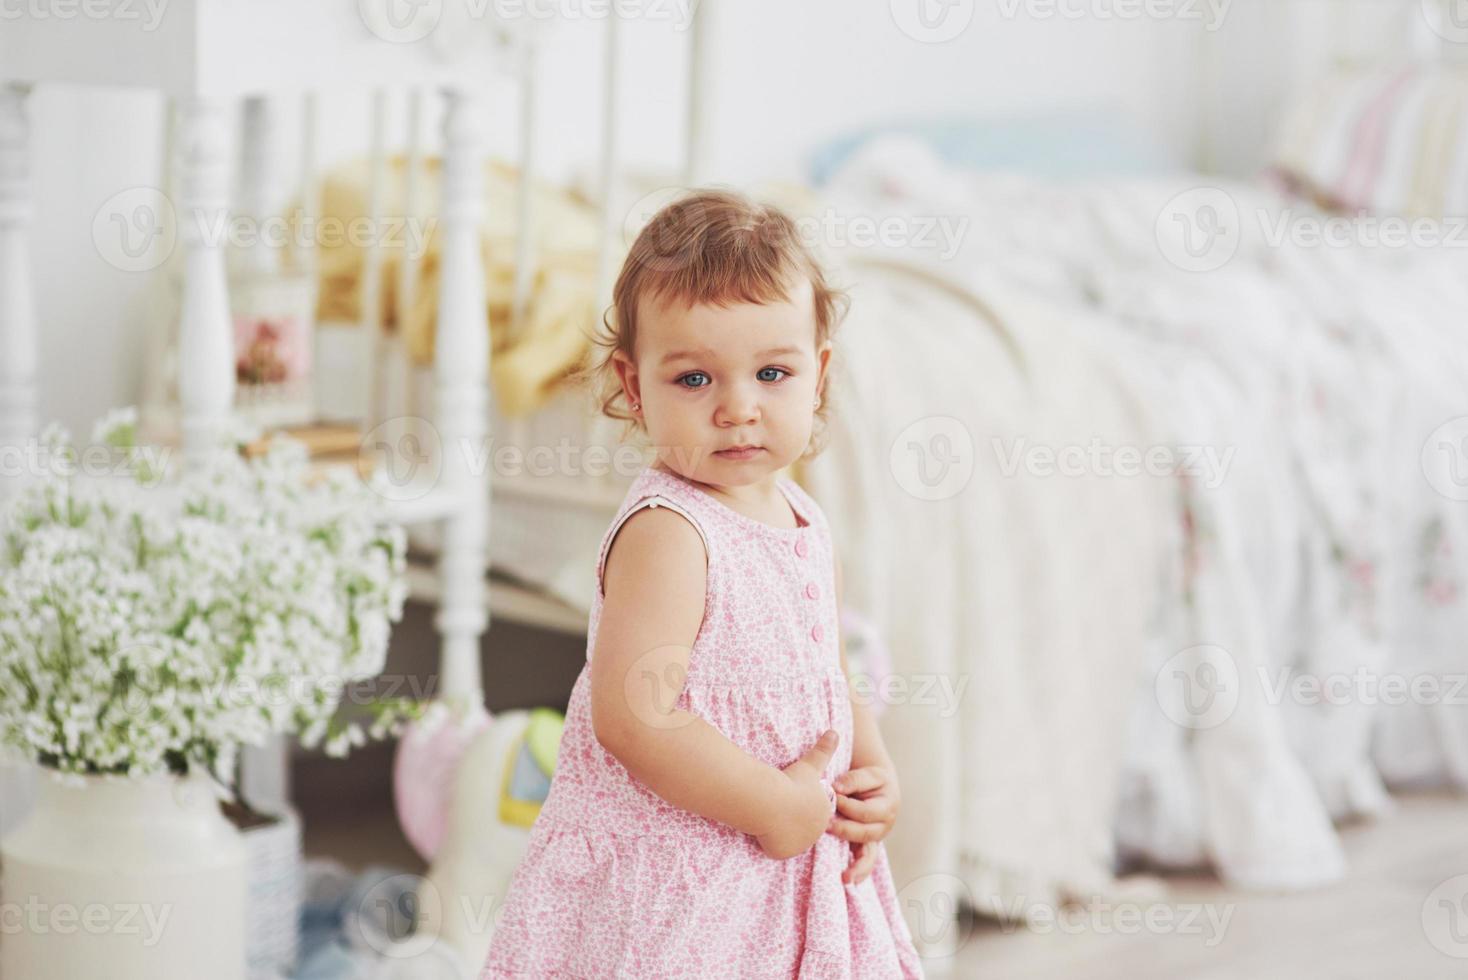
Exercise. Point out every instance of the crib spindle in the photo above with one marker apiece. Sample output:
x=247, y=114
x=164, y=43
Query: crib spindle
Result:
x=525, y=205
x=408, y=259
x=257, y=181
x=310, y=195
x=206, y=371
x=370, y=299
x=700, y=77
x=517, y=431
x=610, y=221
x=19, y=360
x=461, y=361
x=265, y=769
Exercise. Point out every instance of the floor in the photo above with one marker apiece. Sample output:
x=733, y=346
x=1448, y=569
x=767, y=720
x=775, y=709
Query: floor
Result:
x=1388, y=920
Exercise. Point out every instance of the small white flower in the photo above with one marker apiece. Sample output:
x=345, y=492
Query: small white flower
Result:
x=139, y=624
x=117, y=428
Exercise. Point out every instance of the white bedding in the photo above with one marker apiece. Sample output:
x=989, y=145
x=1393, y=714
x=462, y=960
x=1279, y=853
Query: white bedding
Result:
x=1010, y=788
x=1324, y=551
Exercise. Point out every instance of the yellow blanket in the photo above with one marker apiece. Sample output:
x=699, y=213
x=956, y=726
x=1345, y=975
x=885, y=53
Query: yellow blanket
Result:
x=562, y=305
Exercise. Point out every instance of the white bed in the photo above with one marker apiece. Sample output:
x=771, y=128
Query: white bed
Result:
x=1325, y=553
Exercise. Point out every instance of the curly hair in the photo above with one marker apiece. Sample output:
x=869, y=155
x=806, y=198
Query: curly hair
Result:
x=717, y=247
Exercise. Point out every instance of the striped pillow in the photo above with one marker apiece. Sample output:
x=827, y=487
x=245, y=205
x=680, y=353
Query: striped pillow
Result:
x=1385, y=141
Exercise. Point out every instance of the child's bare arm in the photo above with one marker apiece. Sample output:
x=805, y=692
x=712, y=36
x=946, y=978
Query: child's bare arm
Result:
x=655, y=578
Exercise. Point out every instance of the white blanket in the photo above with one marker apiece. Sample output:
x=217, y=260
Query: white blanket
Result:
x=1011, y=596
x=1325, y=554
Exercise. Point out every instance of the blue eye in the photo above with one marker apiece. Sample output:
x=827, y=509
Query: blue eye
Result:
x=780, y=371
x=693, y=374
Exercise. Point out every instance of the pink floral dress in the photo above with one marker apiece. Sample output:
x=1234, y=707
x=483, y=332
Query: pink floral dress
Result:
x=618, y=883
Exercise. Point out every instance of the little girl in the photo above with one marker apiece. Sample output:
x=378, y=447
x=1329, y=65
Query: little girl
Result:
x=719, y=801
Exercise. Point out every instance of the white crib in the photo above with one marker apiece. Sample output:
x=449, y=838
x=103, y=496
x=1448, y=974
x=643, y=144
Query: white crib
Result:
x=205, y=57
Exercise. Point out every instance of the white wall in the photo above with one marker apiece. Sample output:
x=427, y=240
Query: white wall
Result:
x=785, y=76
x=792, y=74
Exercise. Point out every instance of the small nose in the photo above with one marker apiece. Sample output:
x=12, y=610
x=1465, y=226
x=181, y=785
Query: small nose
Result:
x=739, y=406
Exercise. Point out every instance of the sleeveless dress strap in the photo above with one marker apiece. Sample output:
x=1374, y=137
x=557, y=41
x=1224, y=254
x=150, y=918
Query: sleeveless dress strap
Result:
x=806, y=505
x=650, y=498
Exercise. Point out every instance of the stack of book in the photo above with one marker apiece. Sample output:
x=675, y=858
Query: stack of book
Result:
x=330, y=445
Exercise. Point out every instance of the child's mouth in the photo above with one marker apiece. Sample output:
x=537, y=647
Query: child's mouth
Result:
x=744, y=453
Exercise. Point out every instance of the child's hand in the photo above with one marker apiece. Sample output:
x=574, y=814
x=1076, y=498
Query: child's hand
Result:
x=867, y=800
x=804, y=810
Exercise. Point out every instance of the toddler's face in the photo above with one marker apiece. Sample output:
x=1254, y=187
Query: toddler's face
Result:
x=711, y=378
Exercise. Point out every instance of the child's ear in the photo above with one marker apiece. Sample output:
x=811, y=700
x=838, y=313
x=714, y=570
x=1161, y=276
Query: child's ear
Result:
x=823, y=360
x=627, y=374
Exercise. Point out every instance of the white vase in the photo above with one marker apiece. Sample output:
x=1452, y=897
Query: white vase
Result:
x=124, y=879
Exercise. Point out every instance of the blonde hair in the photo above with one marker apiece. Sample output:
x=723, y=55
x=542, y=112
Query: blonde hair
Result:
x=714, y=247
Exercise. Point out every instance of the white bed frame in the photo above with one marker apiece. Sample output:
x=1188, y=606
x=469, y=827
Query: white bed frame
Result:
x=204, y=56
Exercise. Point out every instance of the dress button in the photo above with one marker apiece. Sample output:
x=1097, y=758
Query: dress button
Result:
x=801, y=547
x=812, y=591
x=816, y=632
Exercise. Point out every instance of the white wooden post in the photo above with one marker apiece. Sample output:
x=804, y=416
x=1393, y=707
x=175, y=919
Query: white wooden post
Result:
x=611, y=223
x=514, y=431
x=461, y=364
x=257, y=183
x=370, y=296
x=206, y=371
x=408, y=260
x=265, y=769
x=310, y=196
x=18, y=358
x=700, y=78
x=525, y=206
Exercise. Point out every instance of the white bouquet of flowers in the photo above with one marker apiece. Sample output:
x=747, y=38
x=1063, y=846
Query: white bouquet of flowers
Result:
x=153, y=623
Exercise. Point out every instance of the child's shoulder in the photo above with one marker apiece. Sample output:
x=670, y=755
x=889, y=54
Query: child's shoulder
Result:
x=654, y=544
x=655, y=491
x=655, y=532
